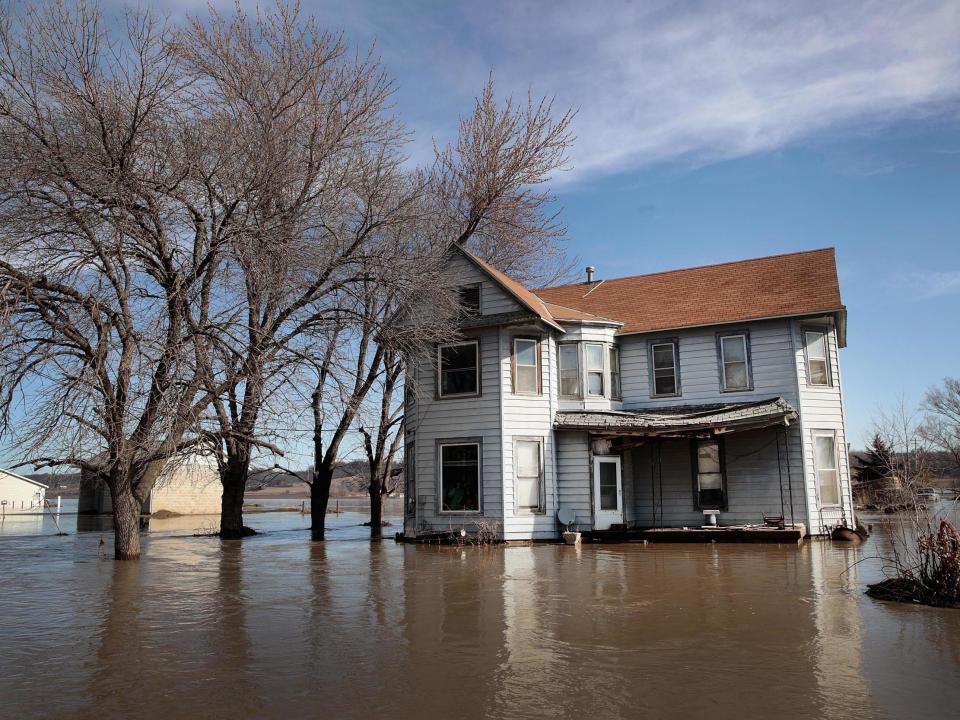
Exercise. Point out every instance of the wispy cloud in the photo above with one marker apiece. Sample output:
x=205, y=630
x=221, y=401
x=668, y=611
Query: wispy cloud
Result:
x=926, y=285
x=657, y=81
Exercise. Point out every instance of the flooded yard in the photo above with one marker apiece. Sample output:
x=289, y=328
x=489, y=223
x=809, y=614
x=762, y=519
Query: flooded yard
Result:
x=277, y=627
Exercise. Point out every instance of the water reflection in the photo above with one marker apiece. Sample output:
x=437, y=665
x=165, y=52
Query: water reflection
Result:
x=275, y=626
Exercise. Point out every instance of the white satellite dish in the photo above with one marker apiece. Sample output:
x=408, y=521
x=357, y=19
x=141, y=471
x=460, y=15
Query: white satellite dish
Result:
x=566, y=516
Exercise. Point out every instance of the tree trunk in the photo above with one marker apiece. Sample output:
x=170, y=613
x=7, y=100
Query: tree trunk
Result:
x=376, y=511
x=231, y=504
x=319, y=496
x=126, y=524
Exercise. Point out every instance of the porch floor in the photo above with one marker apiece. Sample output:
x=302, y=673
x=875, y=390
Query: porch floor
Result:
x=732, y=534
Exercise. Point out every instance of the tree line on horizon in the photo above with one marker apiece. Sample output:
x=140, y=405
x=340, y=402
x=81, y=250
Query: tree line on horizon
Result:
x=211, y=241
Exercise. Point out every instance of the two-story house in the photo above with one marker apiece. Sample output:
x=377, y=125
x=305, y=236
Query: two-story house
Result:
x=670, y=400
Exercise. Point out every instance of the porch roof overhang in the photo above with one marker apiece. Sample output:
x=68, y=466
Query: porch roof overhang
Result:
x=681, y=420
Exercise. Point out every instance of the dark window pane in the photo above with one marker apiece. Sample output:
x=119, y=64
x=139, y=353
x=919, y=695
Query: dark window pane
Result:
x=460, y=478
x=663, y=356
x=665, y=385
x=470, y=299
x=458, y=369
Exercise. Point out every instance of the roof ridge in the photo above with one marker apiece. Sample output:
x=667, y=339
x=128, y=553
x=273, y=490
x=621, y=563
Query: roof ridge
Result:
x=829, y=248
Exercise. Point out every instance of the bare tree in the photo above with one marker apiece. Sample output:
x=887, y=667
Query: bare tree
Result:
x=941, y=426
x=382, y=438
x=489, y=185
x=318, y=179
x=105, y=268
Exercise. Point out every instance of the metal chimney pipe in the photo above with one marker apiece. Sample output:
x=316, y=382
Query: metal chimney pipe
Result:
x=590, y=271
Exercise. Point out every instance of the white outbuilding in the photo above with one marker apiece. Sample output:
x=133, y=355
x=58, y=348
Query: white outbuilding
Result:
x=19, y=494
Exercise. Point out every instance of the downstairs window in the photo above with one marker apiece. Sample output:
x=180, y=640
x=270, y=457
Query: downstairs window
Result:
x=710, y=483
x=460, y=477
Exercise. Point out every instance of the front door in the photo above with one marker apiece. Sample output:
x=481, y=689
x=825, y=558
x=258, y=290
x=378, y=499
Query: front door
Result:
x=607, y=492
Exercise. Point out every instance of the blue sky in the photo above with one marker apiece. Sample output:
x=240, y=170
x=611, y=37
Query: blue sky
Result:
x=709, y=132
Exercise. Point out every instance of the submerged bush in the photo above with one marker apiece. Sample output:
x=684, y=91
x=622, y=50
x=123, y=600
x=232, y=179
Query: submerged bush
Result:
x=930, y=574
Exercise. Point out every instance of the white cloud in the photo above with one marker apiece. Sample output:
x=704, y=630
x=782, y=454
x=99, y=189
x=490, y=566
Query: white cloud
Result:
x=657, y=80
x=926, y=285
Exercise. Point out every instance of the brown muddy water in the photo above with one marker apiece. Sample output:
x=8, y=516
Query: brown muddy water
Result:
x=277, y=627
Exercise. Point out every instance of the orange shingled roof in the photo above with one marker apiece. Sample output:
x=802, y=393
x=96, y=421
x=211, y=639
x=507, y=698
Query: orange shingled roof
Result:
x=802, y=283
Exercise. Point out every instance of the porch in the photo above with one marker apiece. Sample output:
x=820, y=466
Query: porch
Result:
x=705, y=473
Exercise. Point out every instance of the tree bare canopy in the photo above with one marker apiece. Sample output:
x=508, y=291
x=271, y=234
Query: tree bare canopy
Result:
x=490, y=185
x=105, y=266
x=941, y=426
x=321, y=194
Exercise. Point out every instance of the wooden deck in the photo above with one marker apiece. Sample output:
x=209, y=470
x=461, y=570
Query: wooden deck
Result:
x=789, y=535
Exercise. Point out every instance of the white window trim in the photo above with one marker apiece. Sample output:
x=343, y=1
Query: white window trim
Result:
x=541, y=509
x=832, y=434
x=459, y=441
x=537, y=366
x=804, y=329
x=580, y=396
x=604, y=379
x=444, y=396
x=748, y=365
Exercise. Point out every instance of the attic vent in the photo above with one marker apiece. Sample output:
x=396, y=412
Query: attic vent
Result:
x=590, y=271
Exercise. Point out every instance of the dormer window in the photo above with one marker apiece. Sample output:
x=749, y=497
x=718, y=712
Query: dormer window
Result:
x=470, y=299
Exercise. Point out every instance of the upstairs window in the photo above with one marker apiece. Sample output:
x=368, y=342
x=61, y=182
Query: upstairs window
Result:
x=529, y=475
x=735, y=362
x=569, y=361
x=665, y=373
x=593, y=355
x=815, y=346
x=615, y=372
x=470, y=299
x=709, y=475
x=460, y=477
x=459, y=369
x=825, y=463
x=526, y=366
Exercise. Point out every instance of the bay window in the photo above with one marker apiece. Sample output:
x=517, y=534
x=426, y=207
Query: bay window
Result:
x=569, y=361
x=615, y=372
x=593, y=359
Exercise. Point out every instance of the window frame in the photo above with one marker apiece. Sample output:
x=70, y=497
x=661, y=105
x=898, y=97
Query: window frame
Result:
x=603, y=371
x=579, y=395
x=832, y=434
x=614, y=349
x=478, y=286
x=444, y=442
x=538, y=365
x=825, y=332
x=440, y=395
x=410, y=479
x=653, y=343
x=541, y=508
x=695, y=472
x=745, y=334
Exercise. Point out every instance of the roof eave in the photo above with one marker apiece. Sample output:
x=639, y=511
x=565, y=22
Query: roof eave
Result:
x=760, y=318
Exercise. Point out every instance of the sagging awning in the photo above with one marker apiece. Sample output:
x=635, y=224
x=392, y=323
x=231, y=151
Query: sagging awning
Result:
x=681, y=420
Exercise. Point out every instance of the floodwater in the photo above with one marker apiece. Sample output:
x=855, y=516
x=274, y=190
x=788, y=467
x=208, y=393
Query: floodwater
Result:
x=276, y=627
